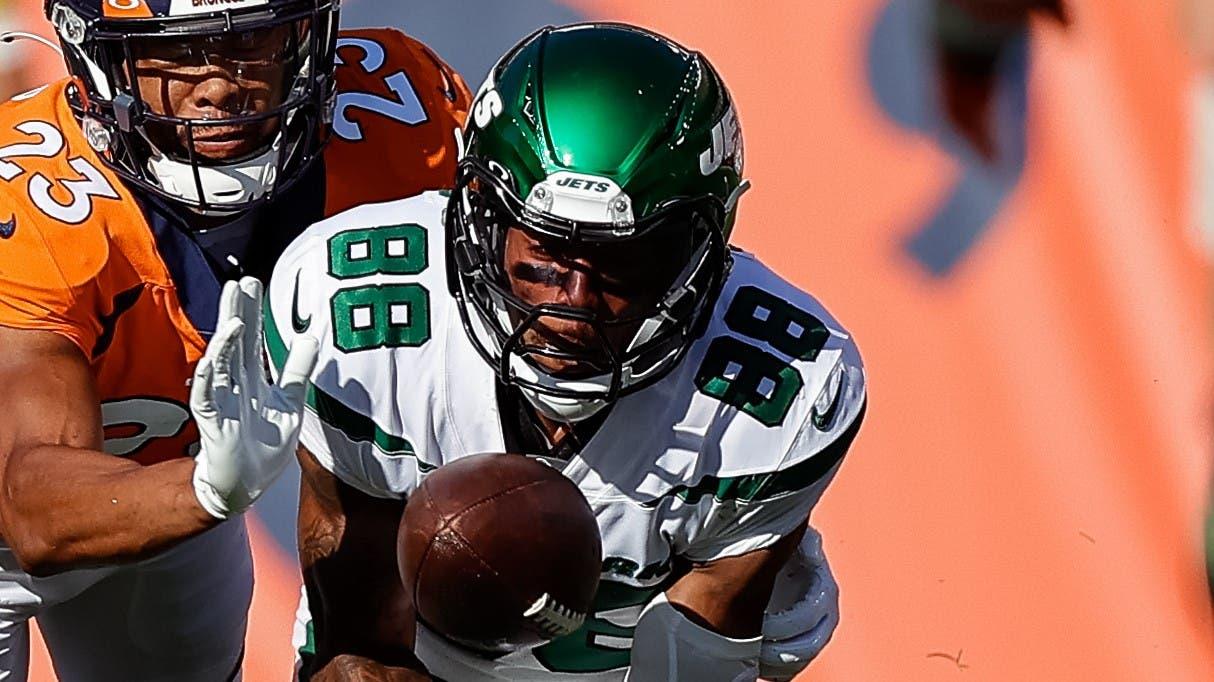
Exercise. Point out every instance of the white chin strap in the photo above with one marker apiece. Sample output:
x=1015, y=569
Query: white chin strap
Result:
x=576, y=409
x=223, y=185
x=567, y=410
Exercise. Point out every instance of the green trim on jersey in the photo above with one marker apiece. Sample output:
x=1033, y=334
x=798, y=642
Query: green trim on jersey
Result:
x=627, y=568
x=387, y=250
x=582, y=651
x=1210, y=548
x=307, y=653
x=382, y=250
x=765, y=486
x=744, y=375
x=356, y=426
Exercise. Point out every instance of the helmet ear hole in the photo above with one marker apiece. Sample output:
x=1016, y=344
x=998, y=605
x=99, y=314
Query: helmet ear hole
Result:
x=500, y=171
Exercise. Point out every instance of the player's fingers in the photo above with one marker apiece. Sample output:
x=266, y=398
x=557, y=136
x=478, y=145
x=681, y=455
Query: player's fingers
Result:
x=202, y=400
x=251, y=286
x=295, y=372
x=250, y=295
x=250, y=303
x=223, y=352
x=223, y=342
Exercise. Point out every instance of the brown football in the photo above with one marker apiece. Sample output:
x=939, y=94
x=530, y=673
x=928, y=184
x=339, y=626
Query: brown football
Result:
x=499, y=552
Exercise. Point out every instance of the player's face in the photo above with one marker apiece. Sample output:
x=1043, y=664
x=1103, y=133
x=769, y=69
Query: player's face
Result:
x=216, y=78
x=615, y=281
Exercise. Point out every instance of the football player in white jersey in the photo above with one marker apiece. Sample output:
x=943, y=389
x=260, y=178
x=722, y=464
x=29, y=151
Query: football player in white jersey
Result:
x=575, y=298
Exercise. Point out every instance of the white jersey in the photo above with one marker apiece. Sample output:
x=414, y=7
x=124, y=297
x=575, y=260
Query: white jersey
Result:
x=723, y=456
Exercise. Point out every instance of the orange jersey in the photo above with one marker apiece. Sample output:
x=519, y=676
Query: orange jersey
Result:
x=394, y=131
x=87, y=257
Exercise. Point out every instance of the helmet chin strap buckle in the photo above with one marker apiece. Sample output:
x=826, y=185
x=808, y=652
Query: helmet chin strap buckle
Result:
x=124, y=105
x=734, y=196
x=467, y=256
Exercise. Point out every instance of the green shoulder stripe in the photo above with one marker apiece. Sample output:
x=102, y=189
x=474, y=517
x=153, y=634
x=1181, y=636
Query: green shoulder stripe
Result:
x=760, y=487
x=356, y=426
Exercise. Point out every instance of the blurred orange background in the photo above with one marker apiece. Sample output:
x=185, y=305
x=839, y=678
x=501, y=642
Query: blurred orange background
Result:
x=1025, y=501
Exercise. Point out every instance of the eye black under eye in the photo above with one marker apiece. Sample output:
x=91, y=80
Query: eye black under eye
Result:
x=537, y=274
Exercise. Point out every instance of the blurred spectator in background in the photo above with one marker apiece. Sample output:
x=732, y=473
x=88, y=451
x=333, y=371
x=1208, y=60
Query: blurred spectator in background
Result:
x=1197, y=25
x=24, y=64
x=957, y=71
x=12, y=55
x=971, y=38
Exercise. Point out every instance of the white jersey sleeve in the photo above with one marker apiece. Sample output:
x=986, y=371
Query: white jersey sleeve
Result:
x=776, y=503
x=795, y=377
x=360, y=284
x=723, y=456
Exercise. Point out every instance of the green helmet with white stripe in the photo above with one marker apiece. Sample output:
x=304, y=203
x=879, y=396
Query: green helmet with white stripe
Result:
x=587, y=135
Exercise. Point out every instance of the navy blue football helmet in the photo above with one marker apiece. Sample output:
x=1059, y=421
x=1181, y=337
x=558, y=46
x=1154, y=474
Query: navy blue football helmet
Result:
x=119, y=50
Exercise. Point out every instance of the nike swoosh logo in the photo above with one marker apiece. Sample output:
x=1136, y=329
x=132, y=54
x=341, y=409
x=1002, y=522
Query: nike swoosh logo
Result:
x=299, y=323
x=822, y=420
x=449, y=87
x=122, y=303
x=7, y=229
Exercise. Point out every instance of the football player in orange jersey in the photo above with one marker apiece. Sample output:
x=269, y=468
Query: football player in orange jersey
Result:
x=193, y=141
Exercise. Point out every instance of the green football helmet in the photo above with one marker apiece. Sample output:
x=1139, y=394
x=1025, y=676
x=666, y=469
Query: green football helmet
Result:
x=588, y=134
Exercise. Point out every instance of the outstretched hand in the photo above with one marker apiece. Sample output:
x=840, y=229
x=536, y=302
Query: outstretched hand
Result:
x=248, y=426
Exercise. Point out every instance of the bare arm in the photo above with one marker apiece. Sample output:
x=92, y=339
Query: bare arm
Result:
x=348, y=668
x=64, y=504
x=362, y=618
x=729, y=596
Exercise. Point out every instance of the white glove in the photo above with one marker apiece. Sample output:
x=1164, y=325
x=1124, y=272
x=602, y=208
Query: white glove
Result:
x=802, y=613
x=248, y=427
